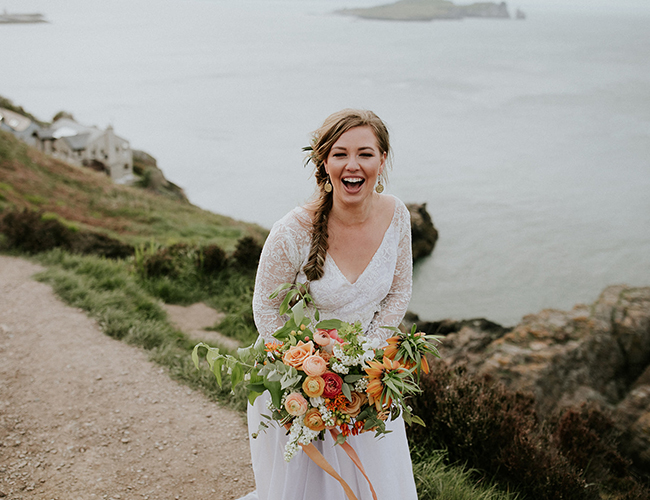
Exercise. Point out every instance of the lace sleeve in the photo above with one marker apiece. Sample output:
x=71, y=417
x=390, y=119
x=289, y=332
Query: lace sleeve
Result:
x=280, y=263
x=395, y=304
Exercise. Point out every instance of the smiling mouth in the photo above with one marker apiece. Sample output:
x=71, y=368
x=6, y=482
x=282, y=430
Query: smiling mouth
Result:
x=353, y=183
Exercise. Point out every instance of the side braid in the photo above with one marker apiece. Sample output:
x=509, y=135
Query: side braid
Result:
x=314, y=267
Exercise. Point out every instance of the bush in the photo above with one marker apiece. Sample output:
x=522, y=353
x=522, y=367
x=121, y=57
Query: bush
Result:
x=495, y=431
x=30, y=232
x=588, y=437
x=247, y=253
x=212, y=260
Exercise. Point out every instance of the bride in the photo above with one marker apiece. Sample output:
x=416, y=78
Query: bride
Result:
x=353, y=245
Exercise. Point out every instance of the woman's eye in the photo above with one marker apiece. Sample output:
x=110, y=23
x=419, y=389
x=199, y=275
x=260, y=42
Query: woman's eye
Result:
x=338, y=155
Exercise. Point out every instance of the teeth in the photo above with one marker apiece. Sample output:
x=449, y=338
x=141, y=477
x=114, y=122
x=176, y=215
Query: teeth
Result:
x=353, y=179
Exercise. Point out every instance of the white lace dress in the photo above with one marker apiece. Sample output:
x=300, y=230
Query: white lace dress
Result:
x=379, y=297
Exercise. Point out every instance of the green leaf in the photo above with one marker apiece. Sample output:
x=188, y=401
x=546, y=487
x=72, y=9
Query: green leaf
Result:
x=252, y=396
x=284, y=307
x=279, y=289
x=212, y=355
x=216, y=369
x=195, y=354
x=418, y=420
x=256, y=387
x=237, y=375
x=330, y=324
x=276, y=392
x=340, y=439
x=346, y=390
x=352, y=378
x=298, y=311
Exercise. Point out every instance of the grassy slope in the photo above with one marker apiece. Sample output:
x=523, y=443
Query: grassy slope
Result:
x=87, y=199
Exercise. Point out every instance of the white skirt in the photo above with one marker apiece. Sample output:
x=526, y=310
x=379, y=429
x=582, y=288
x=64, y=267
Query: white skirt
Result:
x=387, y=463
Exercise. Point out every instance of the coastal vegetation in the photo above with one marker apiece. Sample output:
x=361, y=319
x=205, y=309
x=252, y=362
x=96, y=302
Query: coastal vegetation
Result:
x=482, y=440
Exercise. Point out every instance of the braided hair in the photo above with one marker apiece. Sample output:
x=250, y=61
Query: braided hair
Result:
x=323, y=139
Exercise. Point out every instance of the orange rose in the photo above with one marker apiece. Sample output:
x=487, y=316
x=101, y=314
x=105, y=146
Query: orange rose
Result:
x=298, y=353
x=314, y=366
x=325, y=355
x=296, y=404
x=314, y=420
x=353, y=408
x=313, y=386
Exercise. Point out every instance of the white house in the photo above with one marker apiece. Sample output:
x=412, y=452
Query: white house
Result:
x=91, y=147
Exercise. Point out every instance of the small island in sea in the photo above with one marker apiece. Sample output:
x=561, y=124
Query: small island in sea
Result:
x=6, y=18
x=428, y=10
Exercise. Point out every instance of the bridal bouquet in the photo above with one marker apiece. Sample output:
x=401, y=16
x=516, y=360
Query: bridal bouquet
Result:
x=326, y=375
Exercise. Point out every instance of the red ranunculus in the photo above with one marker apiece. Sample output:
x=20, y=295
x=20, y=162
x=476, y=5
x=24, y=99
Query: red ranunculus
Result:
x=333, y=384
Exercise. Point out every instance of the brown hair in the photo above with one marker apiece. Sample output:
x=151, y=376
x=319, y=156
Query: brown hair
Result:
x=322, y=141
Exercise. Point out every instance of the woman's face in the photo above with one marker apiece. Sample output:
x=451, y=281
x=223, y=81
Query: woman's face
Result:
x=353, y=164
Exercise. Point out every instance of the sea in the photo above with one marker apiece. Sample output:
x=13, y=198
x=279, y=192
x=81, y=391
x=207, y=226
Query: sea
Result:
x=528, y=140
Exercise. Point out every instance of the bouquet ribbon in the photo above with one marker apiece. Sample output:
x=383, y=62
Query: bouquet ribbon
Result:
x=318, y=458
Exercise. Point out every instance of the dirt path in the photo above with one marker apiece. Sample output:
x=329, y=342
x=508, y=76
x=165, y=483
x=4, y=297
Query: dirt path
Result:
x=83, y=416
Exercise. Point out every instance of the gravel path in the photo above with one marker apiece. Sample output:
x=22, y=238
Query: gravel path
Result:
x=83, y=416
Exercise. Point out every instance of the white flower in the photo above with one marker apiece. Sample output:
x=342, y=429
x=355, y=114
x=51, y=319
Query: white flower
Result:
x=339, y=368
x=317, y=401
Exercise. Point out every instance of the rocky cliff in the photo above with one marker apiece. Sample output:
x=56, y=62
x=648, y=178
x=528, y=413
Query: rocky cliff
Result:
x=594, y=353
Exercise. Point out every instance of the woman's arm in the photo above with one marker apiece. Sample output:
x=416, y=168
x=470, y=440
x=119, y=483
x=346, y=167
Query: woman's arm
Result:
x=279, y=264
x=395, y=304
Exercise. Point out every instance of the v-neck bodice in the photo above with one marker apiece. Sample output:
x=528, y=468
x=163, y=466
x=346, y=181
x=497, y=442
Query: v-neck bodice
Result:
x=384, y=240
x=381, y=292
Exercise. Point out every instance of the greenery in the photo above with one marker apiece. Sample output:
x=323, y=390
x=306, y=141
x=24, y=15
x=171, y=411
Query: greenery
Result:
x=92, y=202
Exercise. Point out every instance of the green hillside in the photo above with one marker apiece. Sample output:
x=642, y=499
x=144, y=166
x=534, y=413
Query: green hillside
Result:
x=89, y=200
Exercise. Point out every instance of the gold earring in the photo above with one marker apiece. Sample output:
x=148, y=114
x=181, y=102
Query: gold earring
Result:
x=379, y=187
x=327, y=187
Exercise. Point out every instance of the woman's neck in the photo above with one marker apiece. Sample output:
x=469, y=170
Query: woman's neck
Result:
x=352, y=215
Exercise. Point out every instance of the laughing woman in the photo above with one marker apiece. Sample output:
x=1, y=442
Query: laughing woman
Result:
x=352, y=244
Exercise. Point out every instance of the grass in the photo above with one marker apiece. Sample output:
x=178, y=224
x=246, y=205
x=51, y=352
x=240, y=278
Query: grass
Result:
x=436, y=479
x=91, y=200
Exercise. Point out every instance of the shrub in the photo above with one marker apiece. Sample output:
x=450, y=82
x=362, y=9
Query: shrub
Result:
x=85, y=242
x=588, y=437
x=247, y=253
x=161, y=263
x=32, y=232
x=495, y=431
x=29, y=232
x=212, y=260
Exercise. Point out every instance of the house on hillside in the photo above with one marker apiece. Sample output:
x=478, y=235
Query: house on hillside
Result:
x=19, y=125
x=91, y=147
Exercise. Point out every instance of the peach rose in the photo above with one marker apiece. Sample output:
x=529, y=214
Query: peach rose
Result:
x=314, y=366
x=313, y=386
x=353, y=408
x=298, y=353
x=314, y=420
x=322, y=338
x=296, y=404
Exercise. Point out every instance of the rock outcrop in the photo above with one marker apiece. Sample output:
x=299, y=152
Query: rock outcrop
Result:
x=423, y=232
x=597, y=353
x=152, y=178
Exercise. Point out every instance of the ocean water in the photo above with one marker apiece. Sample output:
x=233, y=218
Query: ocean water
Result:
x=528, y=140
